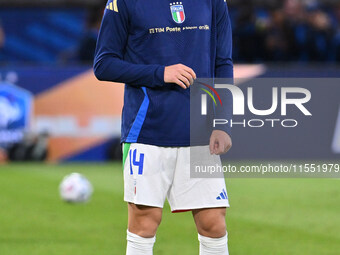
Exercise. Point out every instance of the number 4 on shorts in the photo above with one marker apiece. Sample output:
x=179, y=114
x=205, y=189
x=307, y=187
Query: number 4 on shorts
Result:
x=134, y=162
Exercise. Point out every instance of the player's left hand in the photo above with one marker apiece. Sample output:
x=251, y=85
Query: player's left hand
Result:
x=220, y=142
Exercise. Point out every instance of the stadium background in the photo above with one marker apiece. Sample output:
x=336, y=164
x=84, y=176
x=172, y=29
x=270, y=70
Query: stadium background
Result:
x=66, y=115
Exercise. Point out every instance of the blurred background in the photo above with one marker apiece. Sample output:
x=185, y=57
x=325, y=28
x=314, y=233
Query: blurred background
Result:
x=52, y=109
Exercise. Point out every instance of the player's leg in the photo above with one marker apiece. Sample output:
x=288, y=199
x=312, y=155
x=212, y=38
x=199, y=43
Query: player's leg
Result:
x=207, y=198
x=148, y=173
x=210, y=222
x=143, y=222
x=211, y=229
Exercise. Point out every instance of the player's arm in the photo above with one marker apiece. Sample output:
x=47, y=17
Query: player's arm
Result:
x=220, y=140
x=224, y=62
x=109, y=63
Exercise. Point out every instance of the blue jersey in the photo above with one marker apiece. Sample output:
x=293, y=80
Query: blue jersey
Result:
x=138, y=38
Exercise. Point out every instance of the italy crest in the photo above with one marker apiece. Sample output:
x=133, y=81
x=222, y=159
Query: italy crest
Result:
x=177, y=12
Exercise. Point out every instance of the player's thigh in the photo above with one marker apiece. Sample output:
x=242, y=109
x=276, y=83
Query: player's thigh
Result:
x=210, y=222
x=143, y=220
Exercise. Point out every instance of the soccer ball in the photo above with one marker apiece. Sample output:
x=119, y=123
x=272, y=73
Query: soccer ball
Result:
x=75, y=188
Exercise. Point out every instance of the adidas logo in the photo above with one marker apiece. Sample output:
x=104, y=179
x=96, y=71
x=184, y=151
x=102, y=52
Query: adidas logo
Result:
x=223, y=195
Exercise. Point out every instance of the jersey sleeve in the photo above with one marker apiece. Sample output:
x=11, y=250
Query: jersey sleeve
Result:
x=224, y=64
x=109, y=63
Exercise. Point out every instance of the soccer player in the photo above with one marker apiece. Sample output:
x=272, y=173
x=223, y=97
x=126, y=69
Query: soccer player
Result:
x=158, y=48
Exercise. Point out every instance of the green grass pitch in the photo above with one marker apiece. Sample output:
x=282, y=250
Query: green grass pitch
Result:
x=268, y=216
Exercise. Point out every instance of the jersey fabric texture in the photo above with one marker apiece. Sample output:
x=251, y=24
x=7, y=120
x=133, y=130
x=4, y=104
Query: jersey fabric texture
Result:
x=138, y=38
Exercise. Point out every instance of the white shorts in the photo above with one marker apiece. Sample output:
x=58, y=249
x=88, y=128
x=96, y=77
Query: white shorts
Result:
x=153, y=173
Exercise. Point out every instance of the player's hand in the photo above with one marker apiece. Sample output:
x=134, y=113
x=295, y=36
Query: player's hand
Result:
x=220, y=142
x=179, y=74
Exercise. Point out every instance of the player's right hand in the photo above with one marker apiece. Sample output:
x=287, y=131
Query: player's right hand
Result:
x=179, y=74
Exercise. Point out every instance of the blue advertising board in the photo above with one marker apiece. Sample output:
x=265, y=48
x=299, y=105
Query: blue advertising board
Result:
x=15, y=113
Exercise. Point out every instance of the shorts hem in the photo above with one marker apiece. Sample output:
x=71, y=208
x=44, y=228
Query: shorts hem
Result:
x=143, y=203
x=190, y=208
